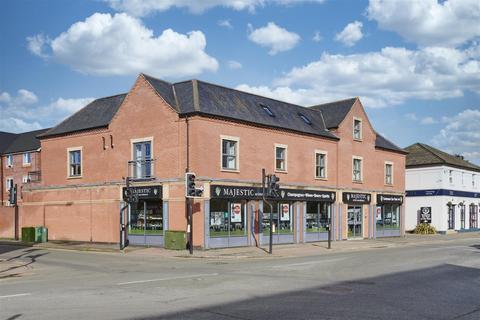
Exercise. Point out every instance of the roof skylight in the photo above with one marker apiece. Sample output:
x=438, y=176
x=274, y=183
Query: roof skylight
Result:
x=267, y=110
x=305, y=119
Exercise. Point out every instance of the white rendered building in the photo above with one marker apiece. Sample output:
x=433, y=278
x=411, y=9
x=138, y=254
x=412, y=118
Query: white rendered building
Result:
x=447, y=185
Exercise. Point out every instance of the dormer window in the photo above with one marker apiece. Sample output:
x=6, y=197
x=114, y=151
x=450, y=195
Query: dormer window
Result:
x=267, y=110
x=357, y=129
x=305, y=119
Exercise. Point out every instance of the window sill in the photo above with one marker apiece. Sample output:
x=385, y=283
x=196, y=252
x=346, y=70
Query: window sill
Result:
x=357, y=181
x=230, y=170
x=280, y=171
x=321, y=179
x=358, y=140
x=74, y=177
x=26, y=165
x=388, y=185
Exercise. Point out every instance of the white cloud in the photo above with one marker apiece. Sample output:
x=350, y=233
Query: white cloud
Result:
x=428, y=22
x=21, y=112
x=351, y=34
x=461, y=135
x=317, y=37
x=37, y=44
x=120, y=45
x=145, y=7
x=383, y=78
x=225, y=23
x=234, y=65
x=276, y=38
x=428, y=121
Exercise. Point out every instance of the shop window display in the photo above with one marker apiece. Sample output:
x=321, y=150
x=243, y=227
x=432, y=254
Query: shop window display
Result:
x=227, y=218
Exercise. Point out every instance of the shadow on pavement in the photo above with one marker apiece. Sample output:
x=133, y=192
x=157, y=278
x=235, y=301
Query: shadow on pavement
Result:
x=24, y=254
x=442, y=292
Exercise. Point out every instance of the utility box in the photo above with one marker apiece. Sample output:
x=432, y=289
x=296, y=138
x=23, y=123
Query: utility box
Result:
x=175, y=240
x=34, y=234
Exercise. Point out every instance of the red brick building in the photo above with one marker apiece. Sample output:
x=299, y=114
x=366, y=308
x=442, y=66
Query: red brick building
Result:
x=20, y=166
x=331, y=162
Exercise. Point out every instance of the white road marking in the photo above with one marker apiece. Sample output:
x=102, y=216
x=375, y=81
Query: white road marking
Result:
x=307, y=263
x=171, y=278
x=16, y=295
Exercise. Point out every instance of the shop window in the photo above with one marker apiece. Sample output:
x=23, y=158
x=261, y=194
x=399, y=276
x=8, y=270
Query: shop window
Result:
x=282, y=223
x=473, y=216
x=281, y=158
x=227, y=218
x=320, y=165
x=316, y=218
x=229, y=154
x=27, y=158
x=388, y=173
x=451, y=217
x=10, y=160
x=357, y=169
x=357, y=129
x=75, y=163
x=389, y=218
x=146, y=218
x=462, y=216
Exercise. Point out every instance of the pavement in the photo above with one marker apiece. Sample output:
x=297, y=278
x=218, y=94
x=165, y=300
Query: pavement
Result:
x=283, y=250
x=416, y=277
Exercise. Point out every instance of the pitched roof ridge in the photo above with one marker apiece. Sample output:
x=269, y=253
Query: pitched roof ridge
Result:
x=112, y=96
x=332, y=102
x=155, y=78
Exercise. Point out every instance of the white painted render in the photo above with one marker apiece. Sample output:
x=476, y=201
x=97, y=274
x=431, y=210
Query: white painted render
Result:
x=440, y=177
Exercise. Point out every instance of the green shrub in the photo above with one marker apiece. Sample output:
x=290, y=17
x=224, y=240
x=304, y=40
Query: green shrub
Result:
x=424, y=228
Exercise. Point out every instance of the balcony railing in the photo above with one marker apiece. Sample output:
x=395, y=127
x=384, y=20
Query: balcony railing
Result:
x=141, y=169
x=34, y=176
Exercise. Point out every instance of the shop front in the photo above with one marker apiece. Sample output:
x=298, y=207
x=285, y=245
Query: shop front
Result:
x=318, y=215
x=387, y=215
x=355, y=213
x=231, y=216
x=146, y=221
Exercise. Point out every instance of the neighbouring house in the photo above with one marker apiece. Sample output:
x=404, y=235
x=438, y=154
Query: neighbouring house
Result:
x=441, y=188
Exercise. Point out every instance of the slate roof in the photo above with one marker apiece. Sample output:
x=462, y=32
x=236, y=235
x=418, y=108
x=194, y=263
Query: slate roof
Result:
x=423, y=155
x=199, y=97
x=335, y=112
x=26, y=141
x=213, y=100
x=383, y=143
x=6, y=139
x=96, y=114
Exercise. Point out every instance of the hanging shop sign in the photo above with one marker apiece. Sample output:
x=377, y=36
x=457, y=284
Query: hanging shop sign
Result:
x=356, y=198
x=235, y=192
x=389, y=199
x=425, y=215
x=146, y=192
x=236, y=212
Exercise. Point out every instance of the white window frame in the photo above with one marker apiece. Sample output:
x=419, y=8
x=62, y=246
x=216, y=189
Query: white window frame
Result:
x=361, y=169
x=285, y=160
x=7, y=184
x=25, y=179
x=388, y=163
x=24, y=155
x=9, y=163
x=361, y=129
x=140, y=140
x=69, y=176
x=325, y=153
x=237, y=155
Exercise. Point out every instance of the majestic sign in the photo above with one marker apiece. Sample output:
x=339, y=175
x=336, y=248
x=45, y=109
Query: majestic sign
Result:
x=425, y=215
x=147, y=192
x=389, y=199
x=356, y=198
x=235, y=192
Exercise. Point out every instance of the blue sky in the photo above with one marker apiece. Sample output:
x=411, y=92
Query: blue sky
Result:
x=414, y=64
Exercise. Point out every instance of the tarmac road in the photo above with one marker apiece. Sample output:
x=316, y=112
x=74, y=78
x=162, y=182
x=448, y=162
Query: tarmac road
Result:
x=429, y=281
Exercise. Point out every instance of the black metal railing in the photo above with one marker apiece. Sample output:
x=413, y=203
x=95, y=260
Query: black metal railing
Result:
x=34, y=176
x=141, y=169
